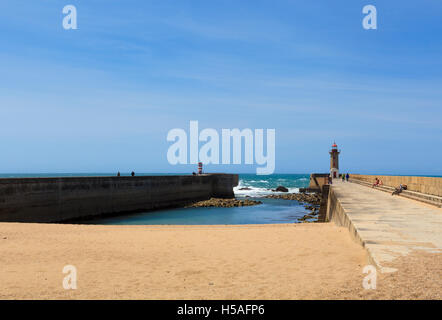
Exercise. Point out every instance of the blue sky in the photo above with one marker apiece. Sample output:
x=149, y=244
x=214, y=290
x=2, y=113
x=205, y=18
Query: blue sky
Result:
x=102, y=98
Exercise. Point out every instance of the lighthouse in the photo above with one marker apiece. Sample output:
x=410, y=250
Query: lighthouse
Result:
x=334, y=161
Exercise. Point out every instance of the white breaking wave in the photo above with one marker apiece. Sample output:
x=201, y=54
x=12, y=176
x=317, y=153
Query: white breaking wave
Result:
x=261, y=181
x=258, y=192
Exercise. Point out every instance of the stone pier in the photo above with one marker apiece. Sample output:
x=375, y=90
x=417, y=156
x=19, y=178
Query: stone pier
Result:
x=387, y=226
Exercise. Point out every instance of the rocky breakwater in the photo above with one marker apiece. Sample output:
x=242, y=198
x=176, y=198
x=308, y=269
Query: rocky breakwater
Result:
x=223, y=203
x=311, y=201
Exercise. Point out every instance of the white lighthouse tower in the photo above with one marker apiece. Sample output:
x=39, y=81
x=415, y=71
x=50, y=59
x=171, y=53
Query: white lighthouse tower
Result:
x=334, y=161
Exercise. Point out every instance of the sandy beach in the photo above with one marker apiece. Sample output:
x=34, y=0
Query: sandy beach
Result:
x=287, y=261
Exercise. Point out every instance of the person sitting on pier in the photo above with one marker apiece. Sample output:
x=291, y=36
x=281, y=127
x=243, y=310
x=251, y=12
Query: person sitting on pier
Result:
x=400, y=189
x=376, y=182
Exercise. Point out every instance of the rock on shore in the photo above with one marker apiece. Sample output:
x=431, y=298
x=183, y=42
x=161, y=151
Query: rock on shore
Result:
x=311, y=198
x=224, y=203
x=311, y=202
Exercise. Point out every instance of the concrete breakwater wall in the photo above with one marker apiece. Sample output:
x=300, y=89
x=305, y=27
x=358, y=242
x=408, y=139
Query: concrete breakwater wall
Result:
x=59, y=199
x=317, y=181
x=427, y=185
x=387, y=227
x=336, y=213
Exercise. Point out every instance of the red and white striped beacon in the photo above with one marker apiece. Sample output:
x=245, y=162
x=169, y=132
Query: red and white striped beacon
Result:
x=200, y=167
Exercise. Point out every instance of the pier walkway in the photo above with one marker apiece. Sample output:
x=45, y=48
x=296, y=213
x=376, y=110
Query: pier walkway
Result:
x=387, y=226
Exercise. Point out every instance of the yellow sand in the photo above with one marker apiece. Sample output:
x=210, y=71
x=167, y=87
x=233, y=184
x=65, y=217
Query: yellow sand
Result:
x=290, y=261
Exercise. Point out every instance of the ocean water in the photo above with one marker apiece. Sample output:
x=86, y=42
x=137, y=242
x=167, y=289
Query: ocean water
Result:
x=270, y=211
x=262, y=185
